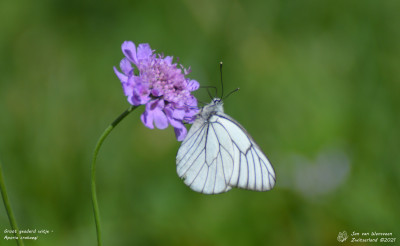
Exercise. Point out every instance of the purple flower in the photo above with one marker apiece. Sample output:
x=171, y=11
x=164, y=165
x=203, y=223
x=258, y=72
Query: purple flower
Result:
x=160, y=85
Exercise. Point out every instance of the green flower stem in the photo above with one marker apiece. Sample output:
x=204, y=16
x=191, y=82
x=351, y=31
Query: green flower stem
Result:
x=93, y=176
x=7, y=205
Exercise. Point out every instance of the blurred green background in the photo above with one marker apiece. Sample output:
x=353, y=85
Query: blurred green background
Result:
x=319, y=84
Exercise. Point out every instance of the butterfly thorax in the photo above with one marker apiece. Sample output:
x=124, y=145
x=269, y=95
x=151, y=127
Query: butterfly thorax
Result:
x=216, y=106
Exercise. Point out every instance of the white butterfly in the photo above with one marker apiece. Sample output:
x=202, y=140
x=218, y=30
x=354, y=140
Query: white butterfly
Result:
x=218, y=154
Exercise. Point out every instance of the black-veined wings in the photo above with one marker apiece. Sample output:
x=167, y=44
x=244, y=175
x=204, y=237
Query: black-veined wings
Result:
x=218, y=154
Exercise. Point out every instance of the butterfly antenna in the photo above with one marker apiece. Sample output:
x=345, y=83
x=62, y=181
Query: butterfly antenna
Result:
x=235, y=90
x=208, y=91
x=222, y=84
x=209, y=94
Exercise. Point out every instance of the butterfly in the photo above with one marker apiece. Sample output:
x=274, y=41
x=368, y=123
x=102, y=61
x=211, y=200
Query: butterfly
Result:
x=218, y=154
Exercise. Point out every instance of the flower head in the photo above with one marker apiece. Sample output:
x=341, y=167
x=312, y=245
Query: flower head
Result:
x=160, y=85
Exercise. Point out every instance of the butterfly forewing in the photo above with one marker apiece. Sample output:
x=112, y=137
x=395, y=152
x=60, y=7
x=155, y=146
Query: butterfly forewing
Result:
x=218, y=154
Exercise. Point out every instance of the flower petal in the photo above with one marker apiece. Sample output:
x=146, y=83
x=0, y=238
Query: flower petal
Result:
x=129, y=86
x=180, y=132
x=129, y=50
x=144, y=51
x=160, y=119
x=191, y=112
x=193, y=85
x=168, y=60
x=178, y=114
x=126, y=66
x=191, y=101
x=128, y=89
x=141, y=94
x=156, y=104
x=147, y=119
x=156, y=92
x=175, y=116
x=122, y=77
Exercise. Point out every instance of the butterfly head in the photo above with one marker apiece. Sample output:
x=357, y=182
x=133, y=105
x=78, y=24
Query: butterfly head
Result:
x=216, y=106
x=216, y=101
